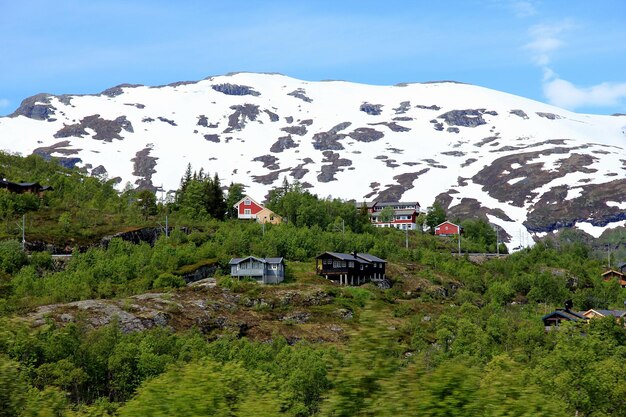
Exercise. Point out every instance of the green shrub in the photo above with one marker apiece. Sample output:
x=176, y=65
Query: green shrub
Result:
x=168, y=280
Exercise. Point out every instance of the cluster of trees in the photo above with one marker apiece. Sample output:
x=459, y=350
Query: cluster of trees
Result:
x=303, y=209
x=200, y=196
x=470, y=352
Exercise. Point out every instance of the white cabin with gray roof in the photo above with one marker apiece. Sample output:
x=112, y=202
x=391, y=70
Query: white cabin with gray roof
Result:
x=263, y=270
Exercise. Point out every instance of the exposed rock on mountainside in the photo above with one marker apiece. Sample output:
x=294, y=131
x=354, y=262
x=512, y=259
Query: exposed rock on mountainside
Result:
x=106, y=130
x=283, y=143
x=235, y=90
x=494, y=155
x=144, y=165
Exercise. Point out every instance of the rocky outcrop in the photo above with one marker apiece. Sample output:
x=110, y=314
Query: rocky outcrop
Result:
x=118, y=90
x=106, y=130
x=498, y=177
x=283, y=143
x=464, y=118
x=520, y=113
x=212, y=138
x=144, y=167
x=242, y=113
x=404, y=107
x=329, y=141
x=270, y=178
x=235, y=90
x=144, y=235
x=62, y=148
x=273, y=116
x=438, y=126
x=404, y=183
x=550, y=116
x=295, y=130
x=36, y=107
x=300, y=171
x=432, y=107
x=335, y=162
x=393, y=126
x=366, y=134
x=371, y=109
x=269, y=161
x=168, y=121
x=554, y=211
x=301, y=94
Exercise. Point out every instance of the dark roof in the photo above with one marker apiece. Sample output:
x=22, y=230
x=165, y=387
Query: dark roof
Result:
x=235, y=261
x=370, y=258
x=397, y=203
x=363, y=258
x=23, y=185
x=616, y=313
x=566, y=314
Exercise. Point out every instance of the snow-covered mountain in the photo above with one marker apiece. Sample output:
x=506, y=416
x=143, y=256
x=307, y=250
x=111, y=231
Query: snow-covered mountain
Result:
x=526, y=166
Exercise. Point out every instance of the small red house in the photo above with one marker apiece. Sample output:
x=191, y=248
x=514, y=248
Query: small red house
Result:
x=247, y=208
x=448, y=229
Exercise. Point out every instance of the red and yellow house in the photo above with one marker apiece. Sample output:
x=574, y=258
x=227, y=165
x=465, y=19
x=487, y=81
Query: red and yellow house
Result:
x=248, y=208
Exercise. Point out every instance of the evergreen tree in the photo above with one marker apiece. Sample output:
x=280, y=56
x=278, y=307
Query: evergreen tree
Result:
x=146, y=202
x=435, y=216
x=235, y=193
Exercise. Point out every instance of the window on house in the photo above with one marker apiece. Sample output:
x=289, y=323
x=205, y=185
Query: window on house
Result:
x=351, y=264
x=247, y=211
x=361, y=267
x=275, y=267
x=247, y=202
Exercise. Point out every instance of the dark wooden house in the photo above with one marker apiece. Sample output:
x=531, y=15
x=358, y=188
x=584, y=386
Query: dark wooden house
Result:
x=350, y=269
x=560, y=315
x=24, y=187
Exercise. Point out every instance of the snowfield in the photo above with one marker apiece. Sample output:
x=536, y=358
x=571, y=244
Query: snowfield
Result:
x=414, y=142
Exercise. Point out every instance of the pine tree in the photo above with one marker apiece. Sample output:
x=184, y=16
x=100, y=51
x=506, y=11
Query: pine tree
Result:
x=235, y=193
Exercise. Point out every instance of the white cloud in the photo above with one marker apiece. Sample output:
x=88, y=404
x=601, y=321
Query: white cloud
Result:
x=523, y=8
x=545, y=41
x=519, y=8
x=563, y=93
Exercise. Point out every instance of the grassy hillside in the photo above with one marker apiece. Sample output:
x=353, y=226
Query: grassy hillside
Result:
x=116, y=332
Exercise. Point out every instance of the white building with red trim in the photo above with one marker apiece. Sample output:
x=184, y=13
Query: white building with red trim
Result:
x=404, y=214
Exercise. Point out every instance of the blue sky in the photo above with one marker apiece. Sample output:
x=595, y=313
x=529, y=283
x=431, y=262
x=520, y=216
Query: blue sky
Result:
x=566, y=52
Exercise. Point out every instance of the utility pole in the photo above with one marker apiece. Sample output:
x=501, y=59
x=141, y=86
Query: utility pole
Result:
x=406, y=238
x=23, y=228
x=608, y=255
x=497, y=239
x=459, y=235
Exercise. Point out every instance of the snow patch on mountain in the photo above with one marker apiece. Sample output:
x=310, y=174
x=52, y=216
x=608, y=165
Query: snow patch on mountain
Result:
x=521, y=163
